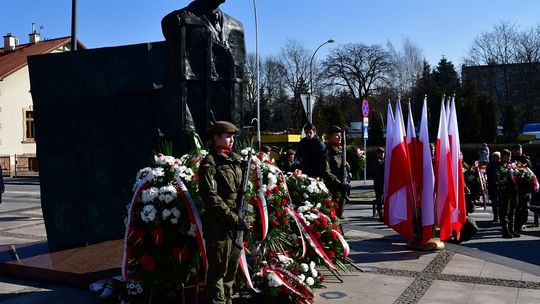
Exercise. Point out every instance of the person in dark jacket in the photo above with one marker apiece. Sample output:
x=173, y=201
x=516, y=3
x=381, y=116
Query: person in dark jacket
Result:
x=491, y=172
x=333, y=177
x=378, y=182
x=2, y=188
x=310, y=152
x=524, y=196
x=220, y=177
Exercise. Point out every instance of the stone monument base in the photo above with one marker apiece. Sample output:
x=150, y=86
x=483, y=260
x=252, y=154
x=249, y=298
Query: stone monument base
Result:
x=77, y=267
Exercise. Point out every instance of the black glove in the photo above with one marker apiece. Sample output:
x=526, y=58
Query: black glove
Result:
x=242, y=224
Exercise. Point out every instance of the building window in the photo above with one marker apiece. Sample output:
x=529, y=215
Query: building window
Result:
x=29, y=127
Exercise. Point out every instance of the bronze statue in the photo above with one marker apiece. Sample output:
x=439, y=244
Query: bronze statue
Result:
x=206, y=68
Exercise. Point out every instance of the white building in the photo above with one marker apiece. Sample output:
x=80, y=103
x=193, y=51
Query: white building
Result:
x=17, y=134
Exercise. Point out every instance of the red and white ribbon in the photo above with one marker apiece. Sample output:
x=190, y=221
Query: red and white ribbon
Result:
x=346, y=248
x=309, y=236
x=140, y=185
x=194, y=219
x=245, y=270
x=291, y=281
x=262, y=205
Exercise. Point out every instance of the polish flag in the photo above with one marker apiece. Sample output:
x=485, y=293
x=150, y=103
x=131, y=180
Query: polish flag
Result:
x=387, y=157
x=427, y=182
x=414, y=151
x=445, y=202
x=399, y=203
x=459, y=214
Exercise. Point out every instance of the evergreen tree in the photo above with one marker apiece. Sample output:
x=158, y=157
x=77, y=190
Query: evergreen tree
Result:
x=509, y=123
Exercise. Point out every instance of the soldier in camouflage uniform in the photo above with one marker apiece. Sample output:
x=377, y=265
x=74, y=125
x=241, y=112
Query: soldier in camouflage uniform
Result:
x=220, y=177
x=332, y=169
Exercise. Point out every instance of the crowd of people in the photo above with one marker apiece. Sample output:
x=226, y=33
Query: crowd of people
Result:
x=510, y=199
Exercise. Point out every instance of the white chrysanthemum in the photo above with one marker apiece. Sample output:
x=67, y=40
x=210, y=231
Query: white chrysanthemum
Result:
x=302, y=209
x=304, y=267
x=273, y=280
x=314, y=272
x=185, y=158
x=302, y=277
x=312, y=265
x=318, y=206
x=284, y=259
x=272, y=180
x=156, y=173
x=323, y=188
x=185, y=173
x=310, y=281
x=149, y=194
x=167, y=193
x=164, y=160
x=143, y=172
x=175, y=212
x=165, y=214
x=192, y=230
x=204, y=153
x=148, y=214
x=311, y=188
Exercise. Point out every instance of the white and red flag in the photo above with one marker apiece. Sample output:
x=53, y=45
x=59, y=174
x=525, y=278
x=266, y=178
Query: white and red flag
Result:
x=388, y=149
x=414, y=151
x=398, y=203
x=445, y=194
x=426, y=180
x=459, y=214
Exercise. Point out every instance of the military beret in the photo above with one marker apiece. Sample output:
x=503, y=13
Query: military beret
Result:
x=333, y=129
x=516, y=147
x=221, y=127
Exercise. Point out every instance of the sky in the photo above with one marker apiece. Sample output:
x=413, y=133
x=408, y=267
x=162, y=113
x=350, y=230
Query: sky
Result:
x=439, y=28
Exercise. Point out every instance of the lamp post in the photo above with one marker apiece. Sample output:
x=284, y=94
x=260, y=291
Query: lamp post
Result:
x=310, y=99
x=257, y=73
x=73, y=25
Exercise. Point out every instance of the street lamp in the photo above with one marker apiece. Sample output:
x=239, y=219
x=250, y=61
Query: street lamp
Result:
x=309, y=114
x=257, y=73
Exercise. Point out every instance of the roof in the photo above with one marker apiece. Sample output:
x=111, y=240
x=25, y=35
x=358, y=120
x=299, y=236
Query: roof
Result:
x=14, y=60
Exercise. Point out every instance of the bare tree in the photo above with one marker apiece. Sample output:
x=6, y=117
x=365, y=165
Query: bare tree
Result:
x=497, y=46
x=359, y=68
x=528, y=45
x=406, y=66
x=294, y=59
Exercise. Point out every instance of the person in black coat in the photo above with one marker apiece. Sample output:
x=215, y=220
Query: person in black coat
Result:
x=378, y=182
x=310, y=152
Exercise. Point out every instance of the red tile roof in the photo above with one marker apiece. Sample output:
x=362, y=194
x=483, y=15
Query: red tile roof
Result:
x=11, y=61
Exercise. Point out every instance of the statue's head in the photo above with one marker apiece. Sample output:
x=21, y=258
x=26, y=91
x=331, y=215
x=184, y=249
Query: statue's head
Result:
x=214, y=3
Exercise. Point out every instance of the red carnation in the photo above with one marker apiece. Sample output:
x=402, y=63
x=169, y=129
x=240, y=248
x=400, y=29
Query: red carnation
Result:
x=284, y=291
x=285, y=220
x=296, y=271
x=323, y=244
x=276, y=189
x=310, y=228
x=268, y=192
x=157, y=236
x=317, y=222
x=245, y=244
x=181, y=254
x=321, y=277
x=147, y=263
x=325, y=224
x=318, y=234
x=278, y=213
x=331, y=254
x=136, y=237
x=332, y=213
x=284, y=202
x=275, y=223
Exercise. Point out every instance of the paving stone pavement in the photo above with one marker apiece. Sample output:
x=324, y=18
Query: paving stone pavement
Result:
x=487, y=269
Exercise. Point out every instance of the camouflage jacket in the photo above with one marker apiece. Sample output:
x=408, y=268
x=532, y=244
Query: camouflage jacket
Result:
x=220, y=176
x=332, y=174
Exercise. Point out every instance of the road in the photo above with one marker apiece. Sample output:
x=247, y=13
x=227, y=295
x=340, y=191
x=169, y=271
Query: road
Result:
x=21, y=219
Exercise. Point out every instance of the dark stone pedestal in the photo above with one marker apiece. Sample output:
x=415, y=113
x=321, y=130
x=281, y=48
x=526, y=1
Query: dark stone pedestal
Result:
x=97, y=114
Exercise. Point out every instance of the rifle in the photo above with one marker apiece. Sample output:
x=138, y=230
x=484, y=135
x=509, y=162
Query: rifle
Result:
x=242, y=202
x=344, y=172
